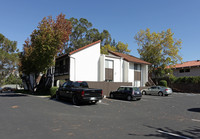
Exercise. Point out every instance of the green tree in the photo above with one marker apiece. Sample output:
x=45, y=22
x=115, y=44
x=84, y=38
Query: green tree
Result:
x=13, y=79
x=83, y=34
x=161, y=49
x=8, y=56
x=122, y=48
x=105, y=38
x=106, y=48
x=44, y=44
x=79, y=30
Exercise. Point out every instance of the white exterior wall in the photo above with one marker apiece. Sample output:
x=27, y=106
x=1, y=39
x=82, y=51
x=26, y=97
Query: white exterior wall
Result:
x=84, y=64
x=117, y=69
x=102, y=68
x=131, y=73
x=125, y=71
x=144, y=72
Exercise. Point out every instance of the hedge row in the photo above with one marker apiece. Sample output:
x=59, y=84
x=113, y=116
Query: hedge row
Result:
x=186, y=80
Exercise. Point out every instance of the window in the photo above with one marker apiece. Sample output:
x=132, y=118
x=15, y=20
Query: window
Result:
x=187, y=70
x=136, y=89
x=84, y=85
x=137, y=67
x=181, y=70
x=184, y=70
x=129, y=89
x=109, y=64
x=121, y=89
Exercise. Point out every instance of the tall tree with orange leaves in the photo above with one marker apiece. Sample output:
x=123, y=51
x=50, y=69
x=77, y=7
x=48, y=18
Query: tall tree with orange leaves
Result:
x=44, y=44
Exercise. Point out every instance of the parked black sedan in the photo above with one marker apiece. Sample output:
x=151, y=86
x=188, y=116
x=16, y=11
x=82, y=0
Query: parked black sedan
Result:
x=127, y=92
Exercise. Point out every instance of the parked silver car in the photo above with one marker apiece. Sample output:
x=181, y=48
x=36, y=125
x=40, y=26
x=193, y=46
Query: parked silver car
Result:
x=157, y=90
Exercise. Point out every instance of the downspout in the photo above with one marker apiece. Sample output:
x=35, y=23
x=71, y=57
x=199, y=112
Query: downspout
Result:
x=74, y=67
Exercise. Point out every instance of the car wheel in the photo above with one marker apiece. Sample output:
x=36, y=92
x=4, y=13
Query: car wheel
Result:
x=144, y=92
x=160, y=93
x=138, y=99
x=129, y=98
x=111, y=95
x=57, y=96
x=75, y=100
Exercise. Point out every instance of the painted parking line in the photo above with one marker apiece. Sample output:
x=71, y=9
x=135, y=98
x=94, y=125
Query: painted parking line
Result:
x=115, y=100
x=173, y=134
x=76, y=106
x=195, y=120
x=191, y=95
x=102, y=103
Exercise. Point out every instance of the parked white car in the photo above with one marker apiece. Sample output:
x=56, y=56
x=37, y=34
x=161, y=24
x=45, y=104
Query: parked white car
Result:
x=157, y=90
x=13, y=86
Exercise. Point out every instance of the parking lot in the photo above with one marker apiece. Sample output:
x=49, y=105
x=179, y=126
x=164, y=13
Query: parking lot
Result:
x=175, y=116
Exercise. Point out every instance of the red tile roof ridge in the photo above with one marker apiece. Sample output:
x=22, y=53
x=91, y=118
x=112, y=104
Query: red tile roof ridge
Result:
x=186, y=64
x=77, y=50
x=128, y=57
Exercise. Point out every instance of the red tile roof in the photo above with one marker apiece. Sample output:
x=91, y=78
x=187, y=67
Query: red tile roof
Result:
x=187, y=64
x=77, y=50
x=130, y=58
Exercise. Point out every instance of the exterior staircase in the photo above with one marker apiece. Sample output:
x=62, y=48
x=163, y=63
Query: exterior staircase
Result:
x=150, y=82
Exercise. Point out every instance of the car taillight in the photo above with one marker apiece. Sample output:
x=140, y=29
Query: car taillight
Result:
x=102, y=92
x=166, y=90
x=82, y=93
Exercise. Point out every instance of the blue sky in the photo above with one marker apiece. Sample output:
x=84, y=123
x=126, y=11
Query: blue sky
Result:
x=122, y=18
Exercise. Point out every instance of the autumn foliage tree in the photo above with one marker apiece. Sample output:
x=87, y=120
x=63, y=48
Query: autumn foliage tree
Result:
x=161, y=49
x=44, y=44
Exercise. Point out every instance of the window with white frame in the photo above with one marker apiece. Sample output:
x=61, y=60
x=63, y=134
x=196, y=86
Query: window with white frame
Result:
x=109, y=65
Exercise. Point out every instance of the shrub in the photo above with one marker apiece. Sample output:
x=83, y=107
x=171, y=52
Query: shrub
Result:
x=53, y=91
x=163, y=83
x=172, y=79
x=186, y=80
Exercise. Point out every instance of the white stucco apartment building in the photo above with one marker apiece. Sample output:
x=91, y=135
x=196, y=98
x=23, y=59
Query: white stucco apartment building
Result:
x=88, y=64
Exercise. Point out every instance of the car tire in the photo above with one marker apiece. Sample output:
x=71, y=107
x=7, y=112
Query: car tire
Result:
x=75, y=100
x=129, y=98
x=144, y=93
x=111, y=95
x=138, y=99
x=160, y=93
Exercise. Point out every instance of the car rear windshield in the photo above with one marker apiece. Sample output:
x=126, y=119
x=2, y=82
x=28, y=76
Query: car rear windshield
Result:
x=136, y=89
x=80, y=85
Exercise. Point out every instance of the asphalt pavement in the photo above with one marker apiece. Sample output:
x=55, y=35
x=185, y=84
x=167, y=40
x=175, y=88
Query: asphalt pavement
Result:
x=31, y=117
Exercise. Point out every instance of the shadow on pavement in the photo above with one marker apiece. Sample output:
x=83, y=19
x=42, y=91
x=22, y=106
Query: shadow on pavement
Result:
x=69, y=102
x=168, y=133
x=194, y=110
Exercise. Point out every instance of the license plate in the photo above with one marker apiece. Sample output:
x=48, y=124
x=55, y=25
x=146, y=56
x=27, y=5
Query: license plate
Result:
x=92, y=98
